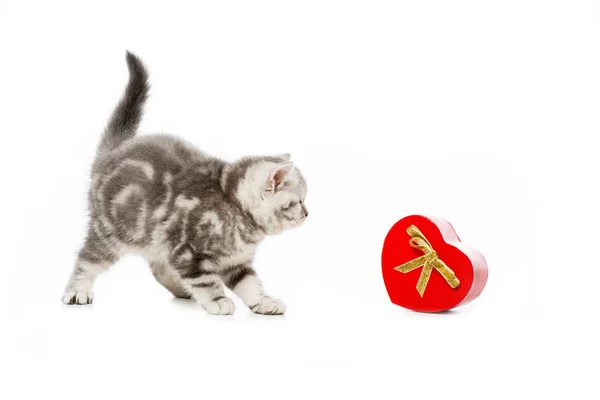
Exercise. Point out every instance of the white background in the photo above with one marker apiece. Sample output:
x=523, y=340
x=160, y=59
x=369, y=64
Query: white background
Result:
x=484, y=113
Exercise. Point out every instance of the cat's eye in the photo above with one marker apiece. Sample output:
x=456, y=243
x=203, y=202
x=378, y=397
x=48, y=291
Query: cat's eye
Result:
x=290, y=205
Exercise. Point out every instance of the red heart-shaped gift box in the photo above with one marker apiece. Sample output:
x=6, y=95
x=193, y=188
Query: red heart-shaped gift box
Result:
x=427, y=268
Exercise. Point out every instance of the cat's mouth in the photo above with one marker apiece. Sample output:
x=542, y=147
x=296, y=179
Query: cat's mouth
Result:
x=296, y=222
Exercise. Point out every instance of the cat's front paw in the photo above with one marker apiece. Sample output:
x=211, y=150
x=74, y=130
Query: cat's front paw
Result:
x=269, y=306
x=219, y=306
x=74, y=297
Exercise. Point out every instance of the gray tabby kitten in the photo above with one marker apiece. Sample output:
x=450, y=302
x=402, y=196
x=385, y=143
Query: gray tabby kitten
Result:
x=195, y=218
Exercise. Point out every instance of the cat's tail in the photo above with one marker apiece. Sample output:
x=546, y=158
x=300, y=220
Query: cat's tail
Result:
x=127, y=115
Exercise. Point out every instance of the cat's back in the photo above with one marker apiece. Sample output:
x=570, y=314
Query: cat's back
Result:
x=163, y=152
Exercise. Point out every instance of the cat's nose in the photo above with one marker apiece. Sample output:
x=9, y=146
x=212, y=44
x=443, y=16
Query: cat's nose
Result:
x=304, y=210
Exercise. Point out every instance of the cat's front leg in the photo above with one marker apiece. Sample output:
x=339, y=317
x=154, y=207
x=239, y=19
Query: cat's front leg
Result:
x=244, y=282
x=200, y=278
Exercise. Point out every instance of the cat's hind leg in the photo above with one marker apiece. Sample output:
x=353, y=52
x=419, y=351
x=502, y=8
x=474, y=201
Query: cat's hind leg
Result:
x=165, y=277
x=93, y=259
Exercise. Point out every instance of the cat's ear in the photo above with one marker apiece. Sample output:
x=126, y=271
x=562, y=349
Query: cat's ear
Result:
x=285, y=156
x=277, y=176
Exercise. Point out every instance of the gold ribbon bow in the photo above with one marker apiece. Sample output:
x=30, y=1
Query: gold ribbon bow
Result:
x=429, y=261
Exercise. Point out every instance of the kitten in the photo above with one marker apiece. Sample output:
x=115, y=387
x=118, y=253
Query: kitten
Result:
x=195, y=218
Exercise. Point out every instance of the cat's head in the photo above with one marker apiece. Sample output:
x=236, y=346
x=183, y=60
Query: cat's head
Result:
x=271, y=189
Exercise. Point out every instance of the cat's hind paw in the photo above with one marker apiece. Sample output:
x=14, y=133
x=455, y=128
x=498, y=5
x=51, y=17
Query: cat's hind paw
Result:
x=219, y=306
x=269, y=306
x=74, y=297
